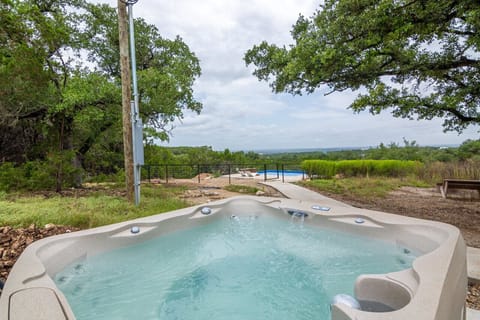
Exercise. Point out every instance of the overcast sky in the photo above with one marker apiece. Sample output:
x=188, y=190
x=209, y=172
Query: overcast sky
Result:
x=241, y=113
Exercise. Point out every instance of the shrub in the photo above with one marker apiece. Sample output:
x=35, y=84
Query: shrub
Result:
x=354, y=168
x=437, y=171
x=40, y=175
x=319, y=168
x=11, y=177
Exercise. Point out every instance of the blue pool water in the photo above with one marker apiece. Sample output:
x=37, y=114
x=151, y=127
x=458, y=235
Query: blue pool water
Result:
x=234, y=268
x=286, y=173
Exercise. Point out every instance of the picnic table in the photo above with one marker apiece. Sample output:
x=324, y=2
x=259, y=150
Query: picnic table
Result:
x=458, y=184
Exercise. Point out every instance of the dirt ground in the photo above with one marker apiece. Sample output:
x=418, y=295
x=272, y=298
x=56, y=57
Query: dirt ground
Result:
x=211, y=189
x=460, y=210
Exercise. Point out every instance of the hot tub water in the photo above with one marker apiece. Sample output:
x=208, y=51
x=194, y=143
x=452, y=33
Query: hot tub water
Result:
x=232, y=268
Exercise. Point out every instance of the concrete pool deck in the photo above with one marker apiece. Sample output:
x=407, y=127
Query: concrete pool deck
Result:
x=293, y=191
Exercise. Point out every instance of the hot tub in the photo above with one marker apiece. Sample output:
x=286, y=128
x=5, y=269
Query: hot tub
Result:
x=431, y=286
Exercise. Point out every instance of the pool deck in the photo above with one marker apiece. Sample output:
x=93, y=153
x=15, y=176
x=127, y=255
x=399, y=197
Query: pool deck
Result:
x=293, y=191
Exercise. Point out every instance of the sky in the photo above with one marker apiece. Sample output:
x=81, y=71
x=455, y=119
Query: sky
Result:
x=241, y=113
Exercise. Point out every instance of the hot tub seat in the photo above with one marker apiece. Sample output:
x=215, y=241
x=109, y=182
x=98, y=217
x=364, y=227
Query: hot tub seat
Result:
x=29, y=304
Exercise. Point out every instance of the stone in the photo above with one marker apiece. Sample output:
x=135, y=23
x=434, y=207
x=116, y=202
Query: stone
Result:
x=49, y=226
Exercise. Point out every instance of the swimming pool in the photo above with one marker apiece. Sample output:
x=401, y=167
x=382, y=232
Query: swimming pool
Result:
x=229, y=260
x=286, y=173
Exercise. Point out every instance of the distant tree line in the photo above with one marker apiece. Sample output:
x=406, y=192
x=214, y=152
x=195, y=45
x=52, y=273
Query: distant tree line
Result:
x=108, y=166
x=470, y=149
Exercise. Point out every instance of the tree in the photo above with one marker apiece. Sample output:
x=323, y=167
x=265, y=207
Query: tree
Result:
x=31, y=36
x=35, y=69
x=469, y=149
x=421, y=58
x=167, y=69
x=54, y=106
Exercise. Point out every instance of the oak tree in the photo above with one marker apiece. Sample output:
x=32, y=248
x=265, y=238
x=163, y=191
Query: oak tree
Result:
x=59, y=83
x=418, y=58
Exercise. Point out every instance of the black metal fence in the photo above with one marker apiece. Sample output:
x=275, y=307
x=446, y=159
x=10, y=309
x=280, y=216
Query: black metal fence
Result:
x=166, y=172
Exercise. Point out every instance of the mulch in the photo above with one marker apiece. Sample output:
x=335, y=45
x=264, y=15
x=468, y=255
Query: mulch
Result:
x=14, y=241
x=473, y=296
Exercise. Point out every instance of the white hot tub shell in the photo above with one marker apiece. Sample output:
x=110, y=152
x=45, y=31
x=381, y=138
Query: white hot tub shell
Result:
x=434, y=288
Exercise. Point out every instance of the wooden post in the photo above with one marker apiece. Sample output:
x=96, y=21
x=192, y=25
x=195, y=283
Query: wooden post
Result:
x=166, y=173
x=126, y=99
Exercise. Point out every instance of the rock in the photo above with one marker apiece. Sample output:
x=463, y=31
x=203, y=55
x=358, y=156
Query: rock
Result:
x=28, y=241
x=6, y=229
x=49, y=226
x=210, y=193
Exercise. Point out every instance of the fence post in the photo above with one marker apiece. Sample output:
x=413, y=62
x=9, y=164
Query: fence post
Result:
x=265, y=172
x=283, y=173
x=198, y=172
x=148, y=173
x=229, y=174
x=166, y=173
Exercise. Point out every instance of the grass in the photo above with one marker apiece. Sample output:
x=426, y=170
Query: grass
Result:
x=93, y=210
x=241, y=189
x=363, y=187
x=106, y=206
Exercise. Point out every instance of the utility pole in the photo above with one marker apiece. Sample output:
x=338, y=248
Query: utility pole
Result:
x=137, y=125
x=126, y=100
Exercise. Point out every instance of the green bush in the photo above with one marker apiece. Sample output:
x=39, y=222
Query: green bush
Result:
x=354, y=168
x=365, y=168
x=319, y=168
x=40, y=175
x=11, y=177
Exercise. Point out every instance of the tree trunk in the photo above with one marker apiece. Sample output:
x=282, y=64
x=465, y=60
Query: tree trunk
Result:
x=126, y=99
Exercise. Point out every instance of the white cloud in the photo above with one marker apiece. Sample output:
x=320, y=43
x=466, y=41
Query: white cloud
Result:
x=242, y=113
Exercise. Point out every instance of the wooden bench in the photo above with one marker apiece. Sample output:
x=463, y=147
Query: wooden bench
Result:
x=458, y=184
